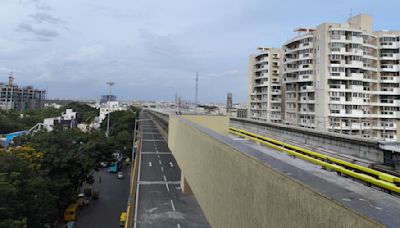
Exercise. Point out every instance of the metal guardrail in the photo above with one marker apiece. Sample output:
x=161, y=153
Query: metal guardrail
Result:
x=370, y=176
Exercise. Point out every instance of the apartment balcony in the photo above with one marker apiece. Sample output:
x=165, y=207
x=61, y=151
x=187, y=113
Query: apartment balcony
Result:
x=306, y=45
x=291, y=60
x=387, y=91
x=262, y=84
x=392, y=103
x=390, y=68
x=386, y=127
x=306, y=112
x=262, y=60
x=348, y=126
x=276, y=100
x=306, y=101
x=354, y=64
x=337, y=75
x=276, y=109
x=305, y=56
x=276, y=117
x=276, y=92
x=305, y=78
x=369, y=79
x=338, y=51
x=307, y=89
x=390, y=79
x=256, y=100
x=355, y=88
x=337, y=88
x=260, y=69
x=390, y=56
x=353, y=51
x=355, y=39
x=349, y=113
x=355, y=76
x=291, y=70
x=389, y=45
x=386, y=115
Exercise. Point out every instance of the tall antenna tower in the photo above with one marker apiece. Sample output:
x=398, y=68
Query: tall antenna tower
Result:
x=110, y=84
x=197, y=90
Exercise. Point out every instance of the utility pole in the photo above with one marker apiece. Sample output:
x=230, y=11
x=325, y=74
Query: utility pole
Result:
x=197, y=90
x=110, y=84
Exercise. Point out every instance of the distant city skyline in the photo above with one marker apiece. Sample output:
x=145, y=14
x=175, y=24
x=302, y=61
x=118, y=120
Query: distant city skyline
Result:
x=152, y=50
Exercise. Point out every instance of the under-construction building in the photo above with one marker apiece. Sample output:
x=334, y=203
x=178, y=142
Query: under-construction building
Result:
x=13, y=97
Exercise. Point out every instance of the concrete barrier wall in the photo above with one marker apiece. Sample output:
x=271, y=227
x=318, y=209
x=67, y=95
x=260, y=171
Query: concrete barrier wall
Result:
x=342, y=144
x=216, y=123
x=235, y=188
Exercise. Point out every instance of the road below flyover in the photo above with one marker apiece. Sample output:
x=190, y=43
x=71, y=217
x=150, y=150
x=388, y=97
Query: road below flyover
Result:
x=113, y=198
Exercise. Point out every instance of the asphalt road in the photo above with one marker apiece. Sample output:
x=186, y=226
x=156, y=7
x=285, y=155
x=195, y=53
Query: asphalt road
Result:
x=161, y=202
x=113, y=197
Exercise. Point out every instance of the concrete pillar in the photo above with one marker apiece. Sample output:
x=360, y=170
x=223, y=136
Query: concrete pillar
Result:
x=185, y=185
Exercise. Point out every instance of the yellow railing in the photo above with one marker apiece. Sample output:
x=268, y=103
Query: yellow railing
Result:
x=368, y=175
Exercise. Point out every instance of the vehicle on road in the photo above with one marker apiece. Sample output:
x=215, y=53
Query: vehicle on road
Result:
x=120, y=175
x=122, y=219
x=103, y=164
x=71, y=224
x=71, y=213
x=115, y=166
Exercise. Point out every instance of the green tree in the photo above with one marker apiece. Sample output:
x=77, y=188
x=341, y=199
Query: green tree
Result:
x=24, y=195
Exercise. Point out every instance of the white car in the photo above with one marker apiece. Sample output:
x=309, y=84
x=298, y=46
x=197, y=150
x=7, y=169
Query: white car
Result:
x=120, y=175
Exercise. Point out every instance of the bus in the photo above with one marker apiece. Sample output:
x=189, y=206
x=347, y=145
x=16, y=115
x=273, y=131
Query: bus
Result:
x=115, y=166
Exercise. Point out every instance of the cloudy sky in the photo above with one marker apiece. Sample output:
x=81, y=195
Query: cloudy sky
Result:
x=153, y=49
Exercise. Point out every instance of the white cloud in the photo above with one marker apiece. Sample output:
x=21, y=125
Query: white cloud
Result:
x=87, y=53
x=10, y=45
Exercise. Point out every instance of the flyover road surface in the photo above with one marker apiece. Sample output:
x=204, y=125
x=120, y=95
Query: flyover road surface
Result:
x=113, y=198
x=160, y=200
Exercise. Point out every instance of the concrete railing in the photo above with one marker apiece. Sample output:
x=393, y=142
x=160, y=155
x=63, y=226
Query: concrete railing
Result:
x=160, y=118
x=342, y=144
x=238, y=186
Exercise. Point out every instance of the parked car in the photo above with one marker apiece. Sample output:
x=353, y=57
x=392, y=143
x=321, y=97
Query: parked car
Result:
x=120, y=175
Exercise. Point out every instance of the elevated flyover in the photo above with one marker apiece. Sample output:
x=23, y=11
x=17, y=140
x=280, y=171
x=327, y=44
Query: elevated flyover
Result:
x=160, y=201
x=237, y=185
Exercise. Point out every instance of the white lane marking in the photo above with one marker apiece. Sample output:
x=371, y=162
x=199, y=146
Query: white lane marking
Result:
x=159, y=161
x=170, y=163
x=166, y=185
x=165, y=179
x=162, y=169
x=164, y=152
x=160, y=182
x=179, y=225
x=173, y=206
x=158, y=156
x=149, y=164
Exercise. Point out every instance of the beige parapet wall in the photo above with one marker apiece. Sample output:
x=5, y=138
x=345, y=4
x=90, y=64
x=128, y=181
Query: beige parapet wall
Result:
x=216, y=123
x=235, y=189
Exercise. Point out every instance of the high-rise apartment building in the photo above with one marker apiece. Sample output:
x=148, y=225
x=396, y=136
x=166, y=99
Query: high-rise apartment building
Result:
x=265, y=100
x=13, y=97
x=342, y=77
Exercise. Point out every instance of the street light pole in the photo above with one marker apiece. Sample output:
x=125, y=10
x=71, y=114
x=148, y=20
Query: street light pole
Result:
x=110, y=84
